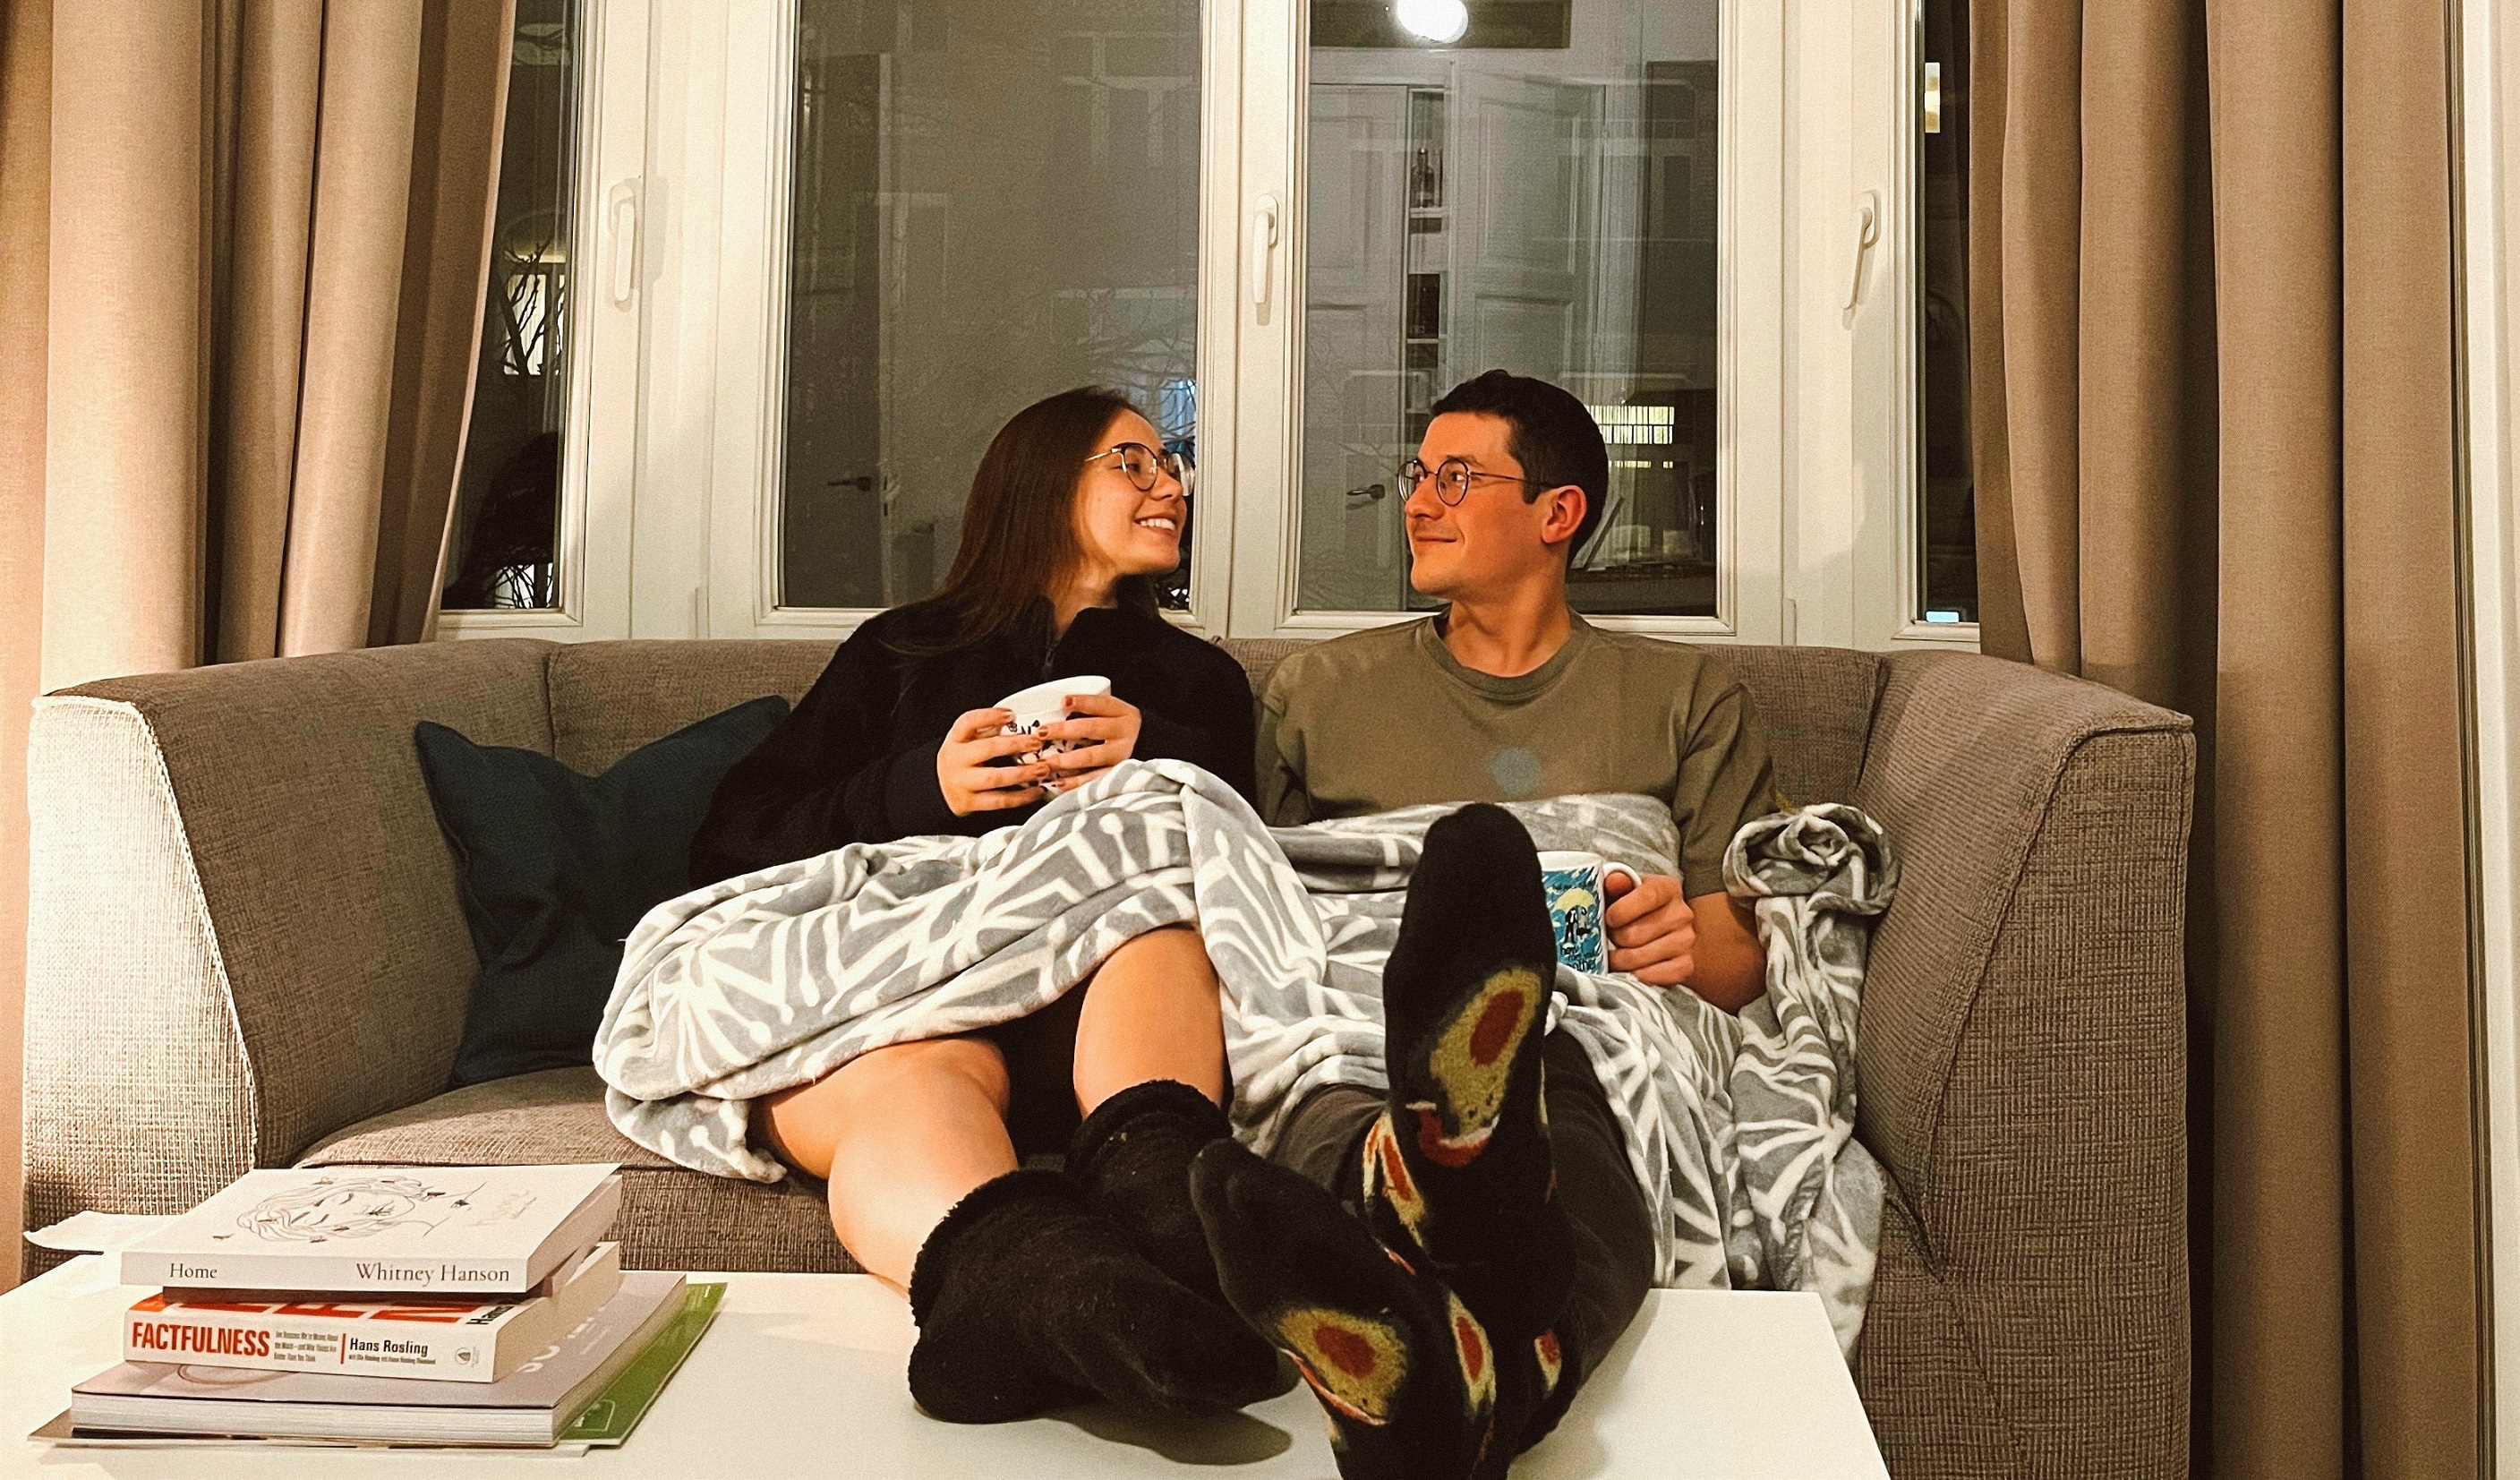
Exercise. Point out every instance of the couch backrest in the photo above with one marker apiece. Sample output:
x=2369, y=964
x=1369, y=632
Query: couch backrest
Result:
x=1817, y=703
x=610, y=698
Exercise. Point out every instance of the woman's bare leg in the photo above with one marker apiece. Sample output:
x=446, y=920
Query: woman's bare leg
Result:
x=901, y=1134
x=1153, y=1011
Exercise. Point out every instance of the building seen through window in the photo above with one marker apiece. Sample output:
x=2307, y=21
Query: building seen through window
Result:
x=993, y=200
x=1948, y=557
x=1536, y=191
x=502, y=551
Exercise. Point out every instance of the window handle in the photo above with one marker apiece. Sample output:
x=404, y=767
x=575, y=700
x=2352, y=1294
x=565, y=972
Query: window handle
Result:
x=621, y=224
x=1868, y=230
x=1264, y=247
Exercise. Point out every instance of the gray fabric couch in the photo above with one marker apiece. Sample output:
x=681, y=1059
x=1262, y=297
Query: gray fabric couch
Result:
x=245, y=950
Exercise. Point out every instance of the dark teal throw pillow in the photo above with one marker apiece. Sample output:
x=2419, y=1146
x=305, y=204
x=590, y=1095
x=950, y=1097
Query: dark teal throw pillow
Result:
x=555, y=868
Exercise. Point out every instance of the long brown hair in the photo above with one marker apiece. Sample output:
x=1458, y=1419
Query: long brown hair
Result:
x=1019, y=525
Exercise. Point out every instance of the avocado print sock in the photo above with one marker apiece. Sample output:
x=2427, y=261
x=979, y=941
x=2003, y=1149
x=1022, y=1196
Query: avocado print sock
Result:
x=1458, y=1169
x=1412, y=1383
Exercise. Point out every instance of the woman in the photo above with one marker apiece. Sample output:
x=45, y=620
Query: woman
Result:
x=1031, y=1288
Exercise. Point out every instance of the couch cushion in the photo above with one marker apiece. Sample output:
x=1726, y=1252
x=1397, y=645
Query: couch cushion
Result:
x=553, y=1116
x=671, y=1218
x=1817, y=703
x=1261, y=656
x=610, y=698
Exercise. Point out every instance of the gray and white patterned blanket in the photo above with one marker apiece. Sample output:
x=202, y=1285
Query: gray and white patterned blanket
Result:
x=1740, y=1129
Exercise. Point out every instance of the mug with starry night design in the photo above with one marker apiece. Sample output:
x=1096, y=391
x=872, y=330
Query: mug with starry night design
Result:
x=1573, y=884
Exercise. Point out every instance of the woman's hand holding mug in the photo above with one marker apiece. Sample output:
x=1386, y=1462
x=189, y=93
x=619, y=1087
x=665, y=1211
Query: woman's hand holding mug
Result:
x=969, y=781
x=1101, y=732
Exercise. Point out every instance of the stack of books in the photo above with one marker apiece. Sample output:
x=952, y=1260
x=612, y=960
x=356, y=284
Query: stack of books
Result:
x=401, y=1305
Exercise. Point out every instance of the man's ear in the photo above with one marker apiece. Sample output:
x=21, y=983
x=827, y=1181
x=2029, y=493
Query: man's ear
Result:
x=1565, y=514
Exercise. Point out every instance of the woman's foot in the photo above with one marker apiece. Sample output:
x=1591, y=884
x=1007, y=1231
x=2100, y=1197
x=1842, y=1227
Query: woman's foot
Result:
x=1027, y=1300
x=1132, y=1157
x=1412, y=1384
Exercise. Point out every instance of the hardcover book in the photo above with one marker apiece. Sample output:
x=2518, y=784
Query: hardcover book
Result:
x=603, y=1423
x=434, y=1340
x=433, y=1230
x=532, y=1405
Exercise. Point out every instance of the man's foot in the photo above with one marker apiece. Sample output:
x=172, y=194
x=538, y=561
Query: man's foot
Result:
x=1410, y=1380
x=1026, y=1300
x=1132, y=1157
x=1457, y=1166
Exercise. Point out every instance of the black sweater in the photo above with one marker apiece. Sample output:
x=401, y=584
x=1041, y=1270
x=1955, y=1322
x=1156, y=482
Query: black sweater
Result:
x=856, y=762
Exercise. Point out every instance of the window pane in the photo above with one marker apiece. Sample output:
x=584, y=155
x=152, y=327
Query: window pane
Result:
x=994, y=199
x=1536, y=193
x=1949, y=523
x=507, y=511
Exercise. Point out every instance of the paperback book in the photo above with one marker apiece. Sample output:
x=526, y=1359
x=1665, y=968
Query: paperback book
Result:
x=603, y=1423
x=431, y=1230
x=432, y=1340
x=533, y=1405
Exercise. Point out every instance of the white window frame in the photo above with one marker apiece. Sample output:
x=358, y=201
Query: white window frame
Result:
x=2487, y=124
x=670, y=504
x=1854, y=504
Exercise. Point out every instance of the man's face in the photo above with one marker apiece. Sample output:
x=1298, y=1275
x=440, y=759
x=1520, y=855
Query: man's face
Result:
x=1491, y=542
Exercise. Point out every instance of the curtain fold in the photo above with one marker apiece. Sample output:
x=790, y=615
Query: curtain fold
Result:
x=247, y=245
x=2216, y=425
x=2415, y=1260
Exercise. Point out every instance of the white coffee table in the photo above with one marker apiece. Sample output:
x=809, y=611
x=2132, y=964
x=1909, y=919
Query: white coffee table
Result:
x=802, y=1375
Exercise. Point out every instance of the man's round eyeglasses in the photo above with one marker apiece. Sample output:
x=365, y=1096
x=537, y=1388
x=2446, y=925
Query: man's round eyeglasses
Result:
x=1454, y=479
x=1143, y=463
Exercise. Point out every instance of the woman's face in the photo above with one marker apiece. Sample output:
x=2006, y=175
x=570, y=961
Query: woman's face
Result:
x=1122, y=529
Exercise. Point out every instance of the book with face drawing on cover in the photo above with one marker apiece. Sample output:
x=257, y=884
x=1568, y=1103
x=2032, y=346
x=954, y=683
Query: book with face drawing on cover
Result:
x=435, y=1230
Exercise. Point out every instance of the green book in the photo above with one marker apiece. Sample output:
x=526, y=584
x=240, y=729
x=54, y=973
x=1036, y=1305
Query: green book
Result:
x=617, y=1410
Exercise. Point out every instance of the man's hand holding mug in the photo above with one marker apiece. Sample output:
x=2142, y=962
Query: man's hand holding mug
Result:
x=1654, y=932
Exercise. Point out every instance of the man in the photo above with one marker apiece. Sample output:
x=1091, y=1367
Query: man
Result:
x=1508, y=1245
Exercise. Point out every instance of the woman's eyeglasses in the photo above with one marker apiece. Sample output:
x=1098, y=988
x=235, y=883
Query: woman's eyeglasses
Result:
x=1454, y=479
x=1143, y=463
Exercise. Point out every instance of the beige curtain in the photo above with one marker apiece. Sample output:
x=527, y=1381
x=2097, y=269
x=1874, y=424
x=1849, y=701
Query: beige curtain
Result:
x=245, y=247
x=2212, y=372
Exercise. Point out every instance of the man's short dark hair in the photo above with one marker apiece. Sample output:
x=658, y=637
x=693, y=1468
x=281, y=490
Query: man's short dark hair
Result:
x=1551, y=435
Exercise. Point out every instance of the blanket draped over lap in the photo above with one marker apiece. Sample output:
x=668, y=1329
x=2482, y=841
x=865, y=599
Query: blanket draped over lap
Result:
x=1741, y=1130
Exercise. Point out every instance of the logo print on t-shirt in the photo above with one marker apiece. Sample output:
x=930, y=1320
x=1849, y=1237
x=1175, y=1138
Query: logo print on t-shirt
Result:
x=1515, y=771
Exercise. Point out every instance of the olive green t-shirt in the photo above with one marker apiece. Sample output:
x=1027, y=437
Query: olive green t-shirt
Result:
x=1390, y=718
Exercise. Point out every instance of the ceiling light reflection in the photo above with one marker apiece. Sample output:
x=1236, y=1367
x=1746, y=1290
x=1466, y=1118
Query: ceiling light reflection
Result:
x=1438, y=20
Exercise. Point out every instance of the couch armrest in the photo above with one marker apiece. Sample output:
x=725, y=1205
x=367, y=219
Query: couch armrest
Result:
x=243, y=930
x=2023, y=1059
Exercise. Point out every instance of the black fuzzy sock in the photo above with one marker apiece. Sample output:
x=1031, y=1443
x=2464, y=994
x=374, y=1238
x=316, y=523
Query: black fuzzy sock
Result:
x=1457, y=1166
x=1132, y=1156
x=1027, y=1300
x=1412, y=1384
